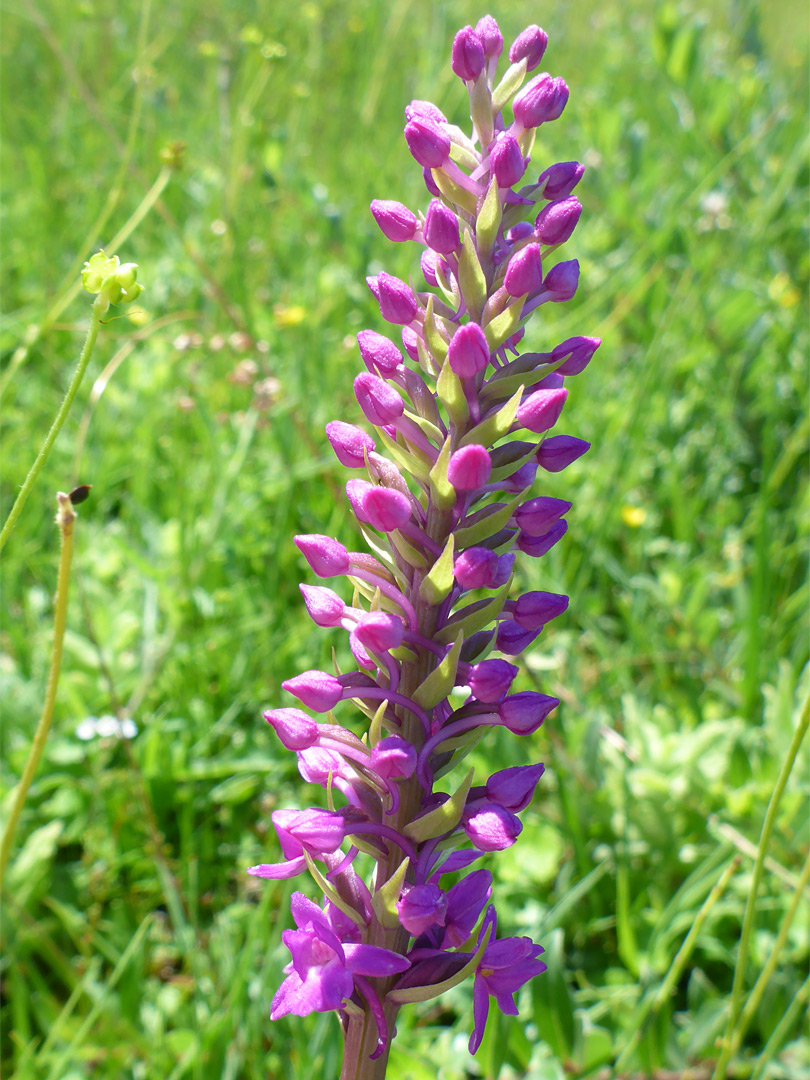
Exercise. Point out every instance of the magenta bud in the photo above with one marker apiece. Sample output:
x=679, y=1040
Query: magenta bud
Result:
x=541, y=100
x=427, y=142
x=393, y=758
x=524, y=713
x=524, y=274
x=490, y=37
x=428, y=261
x=560, y=179
x=396, y=299
x=325, y=607
x=492, y=827
x=349, y=443
x=536, y=516
x=441, y=228
x=468, y=352
x=514, y=787
x=426, y=110
x=557, y=220
x=381, y=404
x=318, y=690
x=578, y=351
x=540, y=411
x=506, y=163
x=476, y=568
x=530, y=44
x=379, y=631
x=534, y=609
x=382, y=508
x=420, y=907
x=536, y=546
x=557, y=452
x=468, y=55
x=379, y=352
x=562, y=280
x=512, y=638
x=490, y=680
x=327, y=557
x=409, y=343
x=469, y=468
x=295, y=729
x=396, y=221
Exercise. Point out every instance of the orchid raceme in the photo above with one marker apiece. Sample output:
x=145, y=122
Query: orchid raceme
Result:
x=458, y=424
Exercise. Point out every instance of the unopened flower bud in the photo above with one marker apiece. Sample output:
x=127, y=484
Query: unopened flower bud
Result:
x=541, y=410
x=425, y=110
x=397, y=303
x=427, y=142
x=318, y=690
x=468, y=352
x=379, y=352
x=492, y=827
x=536, y=516
x=468, y=55
x=349, y=443
x=537, y=546
x=381, y=404
x=506, y=162
x=534, y=609
x=557, y=220
x=379, y=632
x=326, y=556
x=490, y=680
x=578, y=351
x=469, y=468
x=381, y=508
x=325, y=607
x=524, y=274
x=393, y=758
x=395, y=220
x=558, y=451
x=558, y=181
x=512, y=638
x=530, y=44
x=541, y=100
x=562, y=280
x=441, y=228
x=490, y=37
x=524, y=713
x=428, y=262
x=294, y=728
x=476, y=568
x=514, y=787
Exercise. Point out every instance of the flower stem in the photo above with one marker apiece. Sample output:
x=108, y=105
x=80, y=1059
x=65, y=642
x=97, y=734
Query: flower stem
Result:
x=56, y=426
x=65, y=518
x=731, y=1038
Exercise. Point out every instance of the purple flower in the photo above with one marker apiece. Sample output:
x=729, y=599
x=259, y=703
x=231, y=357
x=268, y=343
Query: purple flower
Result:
x=505, y=967
x=462, y=423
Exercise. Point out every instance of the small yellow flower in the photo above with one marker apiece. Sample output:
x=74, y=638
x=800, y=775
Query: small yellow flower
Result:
x=634, y=516
x=289, y=315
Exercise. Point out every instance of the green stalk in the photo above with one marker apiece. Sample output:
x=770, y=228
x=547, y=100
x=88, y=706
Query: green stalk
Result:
x=56, y=427
x=780, y=1032
x=748, y=917
x=678, y=964
x=65, y=518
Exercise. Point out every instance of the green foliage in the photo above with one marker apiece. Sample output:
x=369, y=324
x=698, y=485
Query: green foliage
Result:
x=136, y=946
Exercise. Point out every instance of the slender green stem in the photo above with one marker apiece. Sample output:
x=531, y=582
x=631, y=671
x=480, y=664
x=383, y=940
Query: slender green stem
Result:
x=65, y=519
x=748, y=917
x=782, y=1029
x=678, y=964
x=56, y=427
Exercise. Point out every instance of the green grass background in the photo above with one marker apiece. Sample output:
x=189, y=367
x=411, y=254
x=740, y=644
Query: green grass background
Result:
x=135, y=945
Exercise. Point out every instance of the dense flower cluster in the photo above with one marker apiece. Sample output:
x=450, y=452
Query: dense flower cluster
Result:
x=460, y=433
